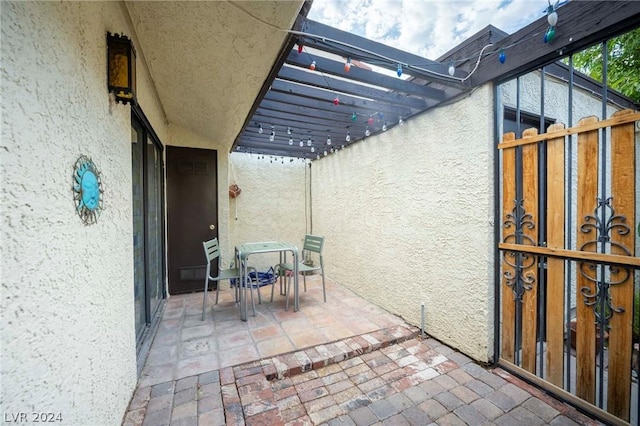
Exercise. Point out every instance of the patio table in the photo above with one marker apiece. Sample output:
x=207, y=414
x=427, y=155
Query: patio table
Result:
x=247, y=249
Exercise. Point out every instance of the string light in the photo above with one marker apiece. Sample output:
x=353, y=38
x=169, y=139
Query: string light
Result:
x=400, y=121
x=312, y=67
x=452, y=69
x=502, y=57
x=347, y=65
x=288, y=130
x=328, y=140
x=399, y=71
x=348, y=137
x=370, y=121
x=309, y=141
x=354, y=116
x=336, y=101
x=290, y=141
x=549, y=35
x=552, y=16
x=384, y=126
x=313, y=149
x=260, y=128
x=301, y=143
x=367, y=132
x=299, y=47
x=272, y=137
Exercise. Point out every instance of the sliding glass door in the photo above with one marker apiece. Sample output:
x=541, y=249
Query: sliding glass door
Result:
x=148, y=224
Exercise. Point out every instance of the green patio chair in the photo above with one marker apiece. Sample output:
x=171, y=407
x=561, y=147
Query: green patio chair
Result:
x=212, y=252
x=312, y=244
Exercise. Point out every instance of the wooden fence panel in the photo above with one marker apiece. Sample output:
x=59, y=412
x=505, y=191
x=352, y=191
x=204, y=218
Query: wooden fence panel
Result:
x=530, y=270
x=508, y=200
x=623, y=199
x=587, y=204
x=603, y=199
x=555, y=266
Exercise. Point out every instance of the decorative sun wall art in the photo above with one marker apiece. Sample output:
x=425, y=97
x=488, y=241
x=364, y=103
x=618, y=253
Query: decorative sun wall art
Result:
x=87, y=190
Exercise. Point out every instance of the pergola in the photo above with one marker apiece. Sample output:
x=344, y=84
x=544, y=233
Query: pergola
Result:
x=314, y=102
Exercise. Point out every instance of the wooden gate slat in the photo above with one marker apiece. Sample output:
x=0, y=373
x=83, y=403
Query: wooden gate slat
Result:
x=620, y=334
x=587, y=202
x=555, y=266
x=530, y=297
x=508, y=199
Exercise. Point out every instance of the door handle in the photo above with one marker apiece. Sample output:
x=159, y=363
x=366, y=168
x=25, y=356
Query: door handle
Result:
x=212, y=227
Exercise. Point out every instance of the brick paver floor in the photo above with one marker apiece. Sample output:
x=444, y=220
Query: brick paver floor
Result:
x=343, y=362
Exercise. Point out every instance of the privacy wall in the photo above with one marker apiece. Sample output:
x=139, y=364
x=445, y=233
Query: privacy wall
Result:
x=271, y=205
x=67, y=329
x=408, y=219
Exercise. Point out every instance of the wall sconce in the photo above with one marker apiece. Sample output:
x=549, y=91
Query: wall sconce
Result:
x=121, y=68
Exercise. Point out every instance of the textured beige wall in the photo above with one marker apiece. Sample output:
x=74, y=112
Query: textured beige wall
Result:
x=272, y=203
x=407, y=217
x=67, y=329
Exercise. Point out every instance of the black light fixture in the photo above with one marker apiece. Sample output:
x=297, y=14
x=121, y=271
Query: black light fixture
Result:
x=121, y=68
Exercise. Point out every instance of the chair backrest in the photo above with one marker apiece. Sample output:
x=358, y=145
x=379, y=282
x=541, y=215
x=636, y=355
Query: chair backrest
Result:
x=211, y=249
x=313, y=243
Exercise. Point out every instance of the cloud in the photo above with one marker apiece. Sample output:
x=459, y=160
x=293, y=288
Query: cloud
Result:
x=425, y=27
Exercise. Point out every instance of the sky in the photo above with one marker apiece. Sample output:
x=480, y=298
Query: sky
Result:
x=428, y=28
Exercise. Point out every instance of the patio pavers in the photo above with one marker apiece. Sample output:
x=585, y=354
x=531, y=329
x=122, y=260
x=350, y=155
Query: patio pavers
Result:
x=383, y=375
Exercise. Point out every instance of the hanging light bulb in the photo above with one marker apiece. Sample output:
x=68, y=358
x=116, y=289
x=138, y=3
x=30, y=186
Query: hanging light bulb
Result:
x=342, y=147
x=328, y=140
x=313, y=149
x=354, y=116
x=348, y=137
x=318, y=157
x=260, y=128
x=502, y=57
x=336, y=101
x=301, y=143
x=325, y=153
x=288, y=130
x=332, y=150
x=272, y=137
x=347, y=65
x=309, y=141
x=452, y=69
x=299, y=47
x=370, y=121
x=399, y=71
x=384, y=126
x=552, y=16
x=312, y=67
x=549, y=35
x=401, y=121
x=367, y=132
x=290, y=141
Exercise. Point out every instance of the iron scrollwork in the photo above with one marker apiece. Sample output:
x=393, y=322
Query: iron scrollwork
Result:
x=603, y=277
x=517, y=279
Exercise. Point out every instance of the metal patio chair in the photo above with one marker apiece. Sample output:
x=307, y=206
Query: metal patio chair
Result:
x=312, y=244
x=212, y=252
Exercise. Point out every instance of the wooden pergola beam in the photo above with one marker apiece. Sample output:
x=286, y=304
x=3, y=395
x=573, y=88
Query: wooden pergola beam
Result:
x=580, y=25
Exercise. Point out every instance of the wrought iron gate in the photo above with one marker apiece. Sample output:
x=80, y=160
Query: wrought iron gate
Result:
x=567, y=311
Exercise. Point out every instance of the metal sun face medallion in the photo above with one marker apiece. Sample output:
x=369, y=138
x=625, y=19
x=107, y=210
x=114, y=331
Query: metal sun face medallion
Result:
x=87, y=190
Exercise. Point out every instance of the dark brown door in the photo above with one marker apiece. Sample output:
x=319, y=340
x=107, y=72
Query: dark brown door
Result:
x=192, y=212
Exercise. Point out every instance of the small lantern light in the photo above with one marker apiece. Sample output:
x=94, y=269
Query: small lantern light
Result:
x=121, y=68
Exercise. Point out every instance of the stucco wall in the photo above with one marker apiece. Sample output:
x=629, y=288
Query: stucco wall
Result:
x=407, y=217
x=272, y=203
x=67, y=329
